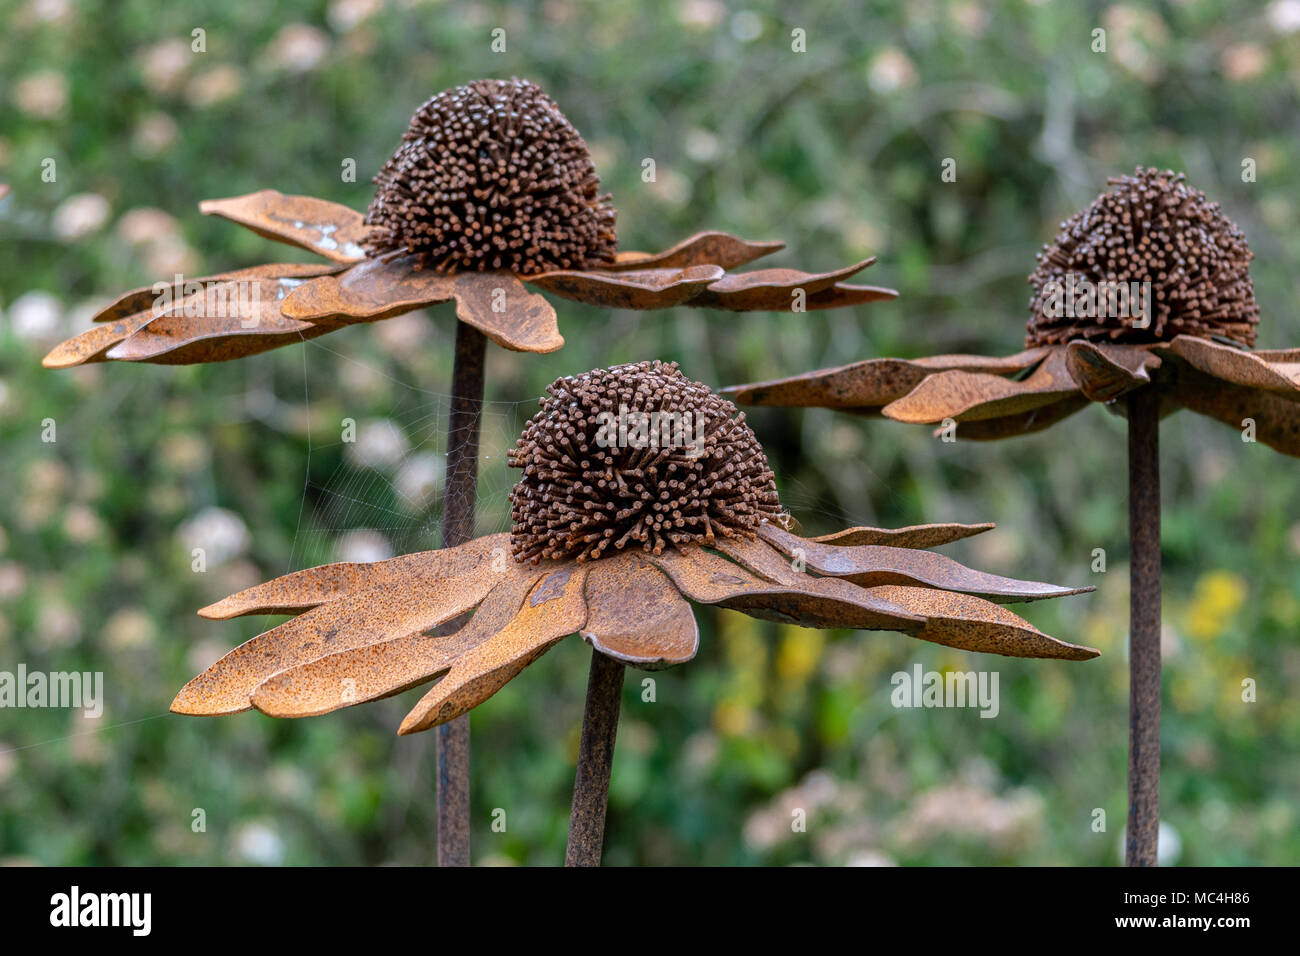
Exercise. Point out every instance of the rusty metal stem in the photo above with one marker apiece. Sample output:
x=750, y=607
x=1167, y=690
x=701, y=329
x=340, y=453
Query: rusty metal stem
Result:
x=1144, y=627
x=459, y=491
x=595, y=759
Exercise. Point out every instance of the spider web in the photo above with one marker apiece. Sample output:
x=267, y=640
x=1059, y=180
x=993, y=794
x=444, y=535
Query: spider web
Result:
x=381, y=494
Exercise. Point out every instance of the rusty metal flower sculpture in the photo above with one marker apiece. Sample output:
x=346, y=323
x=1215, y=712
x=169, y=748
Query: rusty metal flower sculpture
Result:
x=1147, y=289
x=641, y=492
x=1144, y=295
x=491, y=199
x=492, y=194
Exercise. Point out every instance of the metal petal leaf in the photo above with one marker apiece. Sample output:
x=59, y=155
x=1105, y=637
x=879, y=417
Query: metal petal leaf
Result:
x=973, y=624
x=771, y=289
x=224, y=320
x=630, y=289
x=636, y=615
x=375, y=289
x=1105, y=372
x=844, y=294
x=1024, y=423
x=553, y=610
x=93, y=344
x=502, y=308
x=324, y=227
x=807, y=601
x=1277, y=419
x=143, y=298
x=871, y=383
x=972, y=397
x=135, y=309
x=702, y=249
x=379, y=670
x=869, y=565
x=914, y=536
x=303, y=590
x=389, y=608
x=1239, y=367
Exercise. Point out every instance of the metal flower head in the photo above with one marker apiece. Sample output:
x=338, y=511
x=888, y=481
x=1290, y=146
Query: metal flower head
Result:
x=641, y=493
x=1148, y=287
x=492, y=194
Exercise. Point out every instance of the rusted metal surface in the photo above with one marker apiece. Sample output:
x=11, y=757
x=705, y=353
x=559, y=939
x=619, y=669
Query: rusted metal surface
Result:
x=662, y=633
x=1025, y=423
x=1105, y=374
x=507, y=312
x=460, y=493
x=378, y=670
x=968, y=396
x=770, y=289
x=373, y=289
x=595, y=761
x=359, y=288
x=1280, y=373
x=869, y=565
x=659, y=288
x=325, y=228
x=1220, y=381
x=1276, y=419
x=353, y=615
x=915, y=536
x=382, y=606
x=973, y=624
x=872, y=383
x=554, y=609
x=222, y=317
x=1144, y=628
x=703, y=248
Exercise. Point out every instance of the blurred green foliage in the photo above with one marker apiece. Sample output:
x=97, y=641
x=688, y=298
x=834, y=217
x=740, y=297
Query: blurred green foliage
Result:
x=838, y=150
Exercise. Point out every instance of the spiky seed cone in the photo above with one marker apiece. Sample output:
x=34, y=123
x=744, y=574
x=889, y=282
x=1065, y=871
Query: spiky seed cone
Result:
x=588, y=490
x=1150, y=227
x=492, y=176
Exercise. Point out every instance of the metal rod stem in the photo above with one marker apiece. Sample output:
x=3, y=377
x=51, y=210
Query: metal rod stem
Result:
x=1144, y=627
x=459, y=491
x=595, y=759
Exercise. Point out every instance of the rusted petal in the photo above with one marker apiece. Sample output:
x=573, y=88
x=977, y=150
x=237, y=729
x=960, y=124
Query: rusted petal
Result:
x=1105, y=372
x=631, y=289
x=769, y=289
x=1239, y=367
x=144, y=298
x=872, y=383
x=869, y=565
x=915, y=536
x=94, y=344
x=389, y=667
x=636, y=615
x=976, y=396
x=805, y=600
x=224, y=320
x=973, y=624
x=502, y=308
x=1024, y=423
x=553, y=609
x=324, y=227
x=844, y=294
x=705, y=248
x=139, y=308
x=303, y=590
x=390, y=607
x=375, y=289
x=1277, y=419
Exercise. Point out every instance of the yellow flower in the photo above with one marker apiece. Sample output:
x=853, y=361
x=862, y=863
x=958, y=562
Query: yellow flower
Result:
x=1218, y=597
